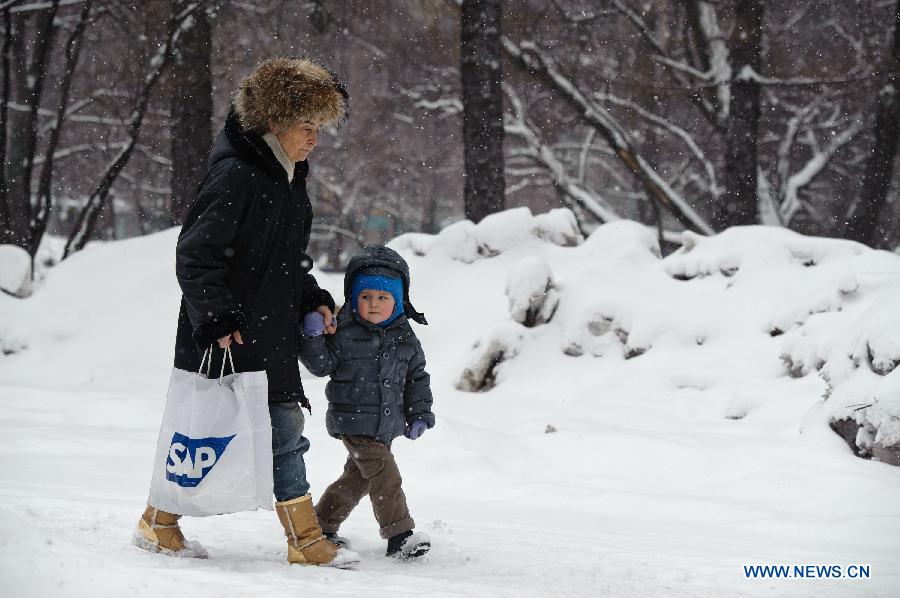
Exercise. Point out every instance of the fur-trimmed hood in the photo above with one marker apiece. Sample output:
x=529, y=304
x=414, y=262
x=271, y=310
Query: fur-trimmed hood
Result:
x=283, y=91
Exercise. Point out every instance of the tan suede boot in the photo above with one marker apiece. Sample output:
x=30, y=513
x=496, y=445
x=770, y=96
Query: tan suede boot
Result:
x=158, y=531
x=306, y=543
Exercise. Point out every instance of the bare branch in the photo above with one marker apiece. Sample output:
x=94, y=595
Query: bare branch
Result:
x=34, y=6
x=445, y=103
x=139, y=184
x=675, y=130
x=678, y=73
x=803, y=177
x=75, y=150
x=533, y=59
x=337, y=230
x=88, y=216
x=585, y=150
x=575, y=192
x=683, y=67
x=584, y=17
x=38, y=6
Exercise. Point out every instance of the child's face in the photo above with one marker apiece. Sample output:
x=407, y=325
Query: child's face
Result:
x=375, y=306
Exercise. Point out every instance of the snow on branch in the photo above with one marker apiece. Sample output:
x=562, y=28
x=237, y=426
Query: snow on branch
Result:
x=35, y=6
x=539, y=64
x=801, y=116
x=84, y=226
x=790, y=203
x=715, y=53
x=75, y=150
x=577, y=16
x=576, y=194
x=145, y=187
x=675, y=130
x=71, y=116
x=683, y=67
x=641, y=26
x=448, y=105
x=679, y=69
x=585, y=150
x=330, y=231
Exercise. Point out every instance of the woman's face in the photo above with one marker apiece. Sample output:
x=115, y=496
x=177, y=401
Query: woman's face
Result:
x=299, y=140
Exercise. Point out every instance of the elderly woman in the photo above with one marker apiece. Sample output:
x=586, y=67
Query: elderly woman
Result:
x=245, y=276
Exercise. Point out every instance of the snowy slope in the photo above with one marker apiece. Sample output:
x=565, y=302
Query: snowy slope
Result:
x=667, y=472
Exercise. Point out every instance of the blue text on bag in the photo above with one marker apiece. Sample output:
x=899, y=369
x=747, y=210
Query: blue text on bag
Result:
x=190, y=459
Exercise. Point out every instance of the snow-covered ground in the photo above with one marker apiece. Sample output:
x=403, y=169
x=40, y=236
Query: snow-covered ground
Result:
x=660, y=474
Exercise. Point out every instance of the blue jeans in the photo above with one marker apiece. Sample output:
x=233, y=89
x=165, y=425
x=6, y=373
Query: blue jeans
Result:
x=288, y=447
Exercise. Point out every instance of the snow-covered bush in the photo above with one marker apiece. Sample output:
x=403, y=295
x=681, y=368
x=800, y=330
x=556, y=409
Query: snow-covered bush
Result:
x=499, y=344
x=504, y=230
x=15, y=271
x=756, y=296
x=467, y=242
x=529, y=288
x=857, y=350
x=559, y=227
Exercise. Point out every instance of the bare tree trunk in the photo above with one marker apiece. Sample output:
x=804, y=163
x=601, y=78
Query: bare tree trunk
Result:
x=5, y=216
x=192, y=108
x=18, y=208
x=862, y=221
x=739, y=202
x=481, y=70
x=23, y=126
x=44, y=194
x=37, y=73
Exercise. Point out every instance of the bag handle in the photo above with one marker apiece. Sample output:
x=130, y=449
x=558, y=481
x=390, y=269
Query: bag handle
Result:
x=208, y=353
x=230, y=361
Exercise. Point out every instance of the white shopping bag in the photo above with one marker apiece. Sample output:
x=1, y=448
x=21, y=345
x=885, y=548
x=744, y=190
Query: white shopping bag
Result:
x=215, y=445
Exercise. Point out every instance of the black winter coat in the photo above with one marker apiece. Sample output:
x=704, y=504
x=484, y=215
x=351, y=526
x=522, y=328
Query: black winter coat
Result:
x=242, y=265
x=378, y=379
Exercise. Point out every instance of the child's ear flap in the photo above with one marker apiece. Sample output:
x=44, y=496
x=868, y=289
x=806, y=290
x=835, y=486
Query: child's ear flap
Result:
x=412, y=314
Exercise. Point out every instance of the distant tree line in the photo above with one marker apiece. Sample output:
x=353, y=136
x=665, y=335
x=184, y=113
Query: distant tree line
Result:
x=682, y=114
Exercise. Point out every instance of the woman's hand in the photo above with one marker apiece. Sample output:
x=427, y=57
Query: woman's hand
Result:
x=225, y=341
x=328, y=317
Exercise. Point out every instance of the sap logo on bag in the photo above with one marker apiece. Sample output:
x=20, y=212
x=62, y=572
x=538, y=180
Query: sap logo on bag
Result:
x=190, y=459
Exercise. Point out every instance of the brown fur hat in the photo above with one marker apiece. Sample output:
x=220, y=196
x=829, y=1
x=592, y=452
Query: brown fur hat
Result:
x=283, y=91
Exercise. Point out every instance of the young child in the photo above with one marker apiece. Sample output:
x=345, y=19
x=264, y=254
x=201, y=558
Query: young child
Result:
x=379, y=389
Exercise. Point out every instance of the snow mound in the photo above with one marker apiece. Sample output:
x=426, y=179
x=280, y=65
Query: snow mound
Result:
x=104, y=315
x=764, y=300
x=467, y=242
x=529, y=288
x=15, y=271
x=500, y=343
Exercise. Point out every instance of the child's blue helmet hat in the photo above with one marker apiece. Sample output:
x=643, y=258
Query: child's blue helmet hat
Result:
x=387, y=281
x=378, y=260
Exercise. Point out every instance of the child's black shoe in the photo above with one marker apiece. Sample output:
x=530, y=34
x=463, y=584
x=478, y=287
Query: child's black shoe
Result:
x=336, y=539
x=408, y=545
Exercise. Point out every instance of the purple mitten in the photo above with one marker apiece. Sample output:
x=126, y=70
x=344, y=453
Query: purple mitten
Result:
x=415, y=429
x=313, y=324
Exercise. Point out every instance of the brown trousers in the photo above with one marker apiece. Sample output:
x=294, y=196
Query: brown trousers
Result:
x=370, y=469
